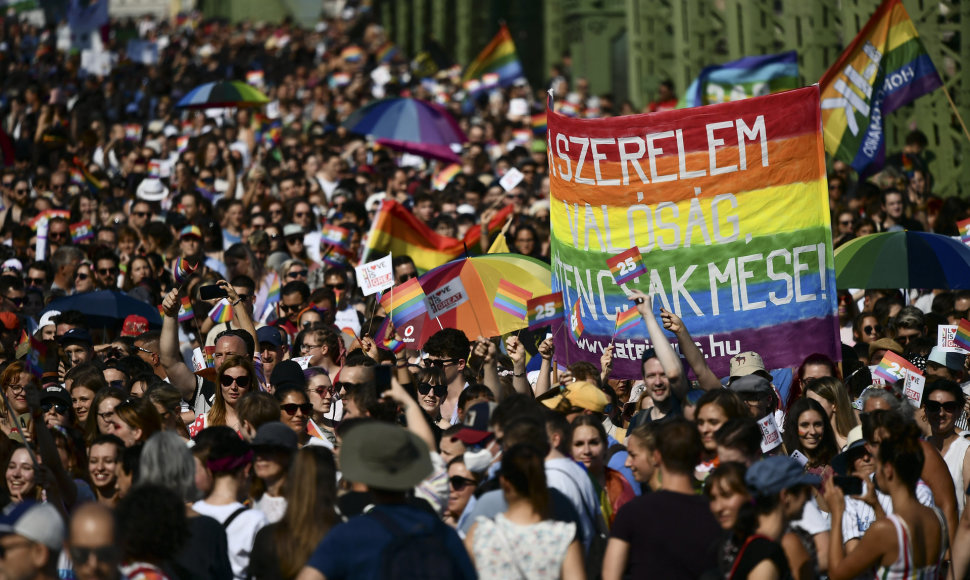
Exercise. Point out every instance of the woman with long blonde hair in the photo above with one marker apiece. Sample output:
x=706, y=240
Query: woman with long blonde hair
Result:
x=236, y=378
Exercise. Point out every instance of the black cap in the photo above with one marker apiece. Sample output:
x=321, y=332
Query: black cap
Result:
x=56, y=394
x=275, y=435
x=76, y=335
x=269, y=334
x=288, y=372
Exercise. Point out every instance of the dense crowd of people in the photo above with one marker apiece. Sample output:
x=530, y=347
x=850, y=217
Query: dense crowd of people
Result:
x=284, y=440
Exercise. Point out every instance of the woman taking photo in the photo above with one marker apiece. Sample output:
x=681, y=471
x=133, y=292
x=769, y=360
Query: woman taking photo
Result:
x=807, y=431
x=522, y=542
x=236, y=378
x=589, y=448
x=714, y=409
x=910, y=542
x=830, y=393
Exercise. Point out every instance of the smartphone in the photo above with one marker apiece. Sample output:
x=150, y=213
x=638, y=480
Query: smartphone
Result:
x=212, y=292
x=850, y=485
x=382, y=378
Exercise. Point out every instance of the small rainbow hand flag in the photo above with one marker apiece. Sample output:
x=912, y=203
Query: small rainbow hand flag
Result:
x=626, y=320
x=546, y=310
x=273, y=294
x=405, y=302
x=352, y=53
x=627, y=266
x=185, y=311
x=576, y=324
x=442, y=178
x=962, y=337
x=335, y=236
x=512, y=299
x=182, y=270
x=314, y=430
x=964, y=229
x=394, y=345
x=893, y=367
x=539, y=125
x=81, y=232
x=221, y=312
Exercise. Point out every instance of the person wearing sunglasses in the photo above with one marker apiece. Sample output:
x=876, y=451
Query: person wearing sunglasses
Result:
x=448, y=351
x=431, y=392
x=92, y=543
x=84, y=280
x=295, y=296
x=295, y=410
x=944, y=402
x=32, y=544
x=236, y=378
x=55, y=402
x=867, y=328
x=461, y=486
x=320, y=390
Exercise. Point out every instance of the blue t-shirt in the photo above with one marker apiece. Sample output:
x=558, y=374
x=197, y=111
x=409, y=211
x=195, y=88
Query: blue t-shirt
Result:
x=352, y=550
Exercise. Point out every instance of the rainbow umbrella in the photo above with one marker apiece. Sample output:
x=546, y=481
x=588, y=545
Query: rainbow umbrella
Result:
x=410, y=125
x=903, y=260
x=481, y=277
x=221, y=95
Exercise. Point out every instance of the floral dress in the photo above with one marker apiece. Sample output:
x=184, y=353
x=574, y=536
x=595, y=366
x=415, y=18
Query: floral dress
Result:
x=503, y=549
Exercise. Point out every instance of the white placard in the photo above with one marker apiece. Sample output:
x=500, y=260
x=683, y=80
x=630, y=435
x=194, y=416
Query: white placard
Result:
x=770, y=436
x=913, y=388
x=375, y=276
x=944, y=338
x=303, y=361
x=198, y=360
x=511, y=178
x=518, y=107
x=448, y=297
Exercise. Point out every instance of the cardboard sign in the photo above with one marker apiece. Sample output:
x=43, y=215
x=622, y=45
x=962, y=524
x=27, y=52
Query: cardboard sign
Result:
x=448, y=297
x=944, y=338
x=913, y=388
x=375, y=276
x=511, y=178
x=770, y=435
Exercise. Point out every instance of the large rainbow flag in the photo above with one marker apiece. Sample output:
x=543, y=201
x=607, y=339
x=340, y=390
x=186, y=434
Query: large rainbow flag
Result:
x=884, y=68
x=728, y=206
x=751, y=76
x=497, y=64
x=395, y=230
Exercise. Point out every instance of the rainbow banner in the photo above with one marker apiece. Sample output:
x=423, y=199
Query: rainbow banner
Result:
x=628, y=320
x=627, y=266
x=512, y=299
x=884, y=68
x=497, y=65
x=396, y=231
x=546, y=310
x=751, y=76
x=962, y=336
x=728, y=207
x=404, y=302
x=576, y=322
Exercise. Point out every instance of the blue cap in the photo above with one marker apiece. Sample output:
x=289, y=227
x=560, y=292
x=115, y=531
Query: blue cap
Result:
x=773, y=474
x=77, y=335
x=269, y=334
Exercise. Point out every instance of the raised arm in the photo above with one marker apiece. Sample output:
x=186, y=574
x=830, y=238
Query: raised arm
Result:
x=240, y=314
x=168, y=349
x=695, y=358
x=665, y=352
x=484, y=351
x=546, y=350
x=516, y=350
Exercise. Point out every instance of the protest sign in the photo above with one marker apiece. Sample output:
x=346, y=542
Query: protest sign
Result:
x=770, y=435
x=946, y=338
x=511, y=178
x=446, y=298
x=913, y=388
x=375, y=276
x=729, y=211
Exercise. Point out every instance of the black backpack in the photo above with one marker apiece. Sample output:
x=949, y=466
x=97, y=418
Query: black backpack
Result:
x=416, y=552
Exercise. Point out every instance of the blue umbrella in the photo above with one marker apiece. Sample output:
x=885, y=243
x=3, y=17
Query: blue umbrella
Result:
x=106, y=309
x=223, y=94
x=903, y=260
x=410, y=125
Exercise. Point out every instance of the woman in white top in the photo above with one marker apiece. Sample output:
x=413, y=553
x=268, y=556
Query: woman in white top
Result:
x=523, y=542
x=910, y=542
x=944, y=402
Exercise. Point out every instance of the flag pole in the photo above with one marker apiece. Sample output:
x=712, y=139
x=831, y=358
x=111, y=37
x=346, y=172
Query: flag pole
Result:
x=953, y=106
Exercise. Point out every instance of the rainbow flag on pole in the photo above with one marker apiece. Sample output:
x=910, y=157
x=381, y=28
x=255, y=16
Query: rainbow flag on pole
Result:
x=512, y=299
x=396, y=231
x=497, y=65
x=546, y=310
x=404, y=302
x=221, y=312
x=893, y=367
x=185, y=310
x=626, y=320
x=884, y=68
x=576, y=321
x=751, y=76
x=962, y=337
x=627, y=266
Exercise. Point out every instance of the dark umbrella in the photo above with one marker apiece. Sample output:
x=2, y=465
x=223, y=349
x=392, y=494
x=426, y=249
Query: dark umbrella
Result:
x=903, y=260
x=106, y=309
x=409, y=125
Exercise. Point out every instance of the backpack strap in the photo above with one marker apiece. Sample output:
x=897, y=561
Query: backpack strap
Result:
x=233, y=516
x=737, y=560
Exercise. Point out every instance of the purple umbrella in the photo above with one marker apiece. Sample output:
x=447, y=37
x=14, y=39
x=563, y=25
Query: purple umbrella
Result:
x=410, y=125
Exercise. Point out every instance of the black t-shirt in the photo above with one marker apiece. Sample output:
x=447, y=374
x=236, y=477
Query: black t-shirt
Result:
x=205, y=553
x=757, y=551
x=671, y=535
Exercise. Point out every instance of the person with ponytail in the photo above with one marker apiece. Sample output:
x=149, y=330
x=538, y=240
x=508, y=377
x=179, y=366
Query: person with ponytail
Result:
x=522, y=542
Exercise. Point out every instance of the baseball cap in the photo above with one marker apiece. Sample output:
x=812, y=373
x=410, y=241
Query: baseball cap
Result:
x=55, y=393
x=76, y=335
x=854, y=441
x=292, y=230
x=38, y=522
x=774, y=474
x=748, y=363
x=951, y=360
x=274, y=435
x=582, y=394
x=475, y=426
x=190, y=231
x=750, y=384
x=269, y=334
x=885, y=344
x=134, y=325
x=48, y=318
x=288, y=372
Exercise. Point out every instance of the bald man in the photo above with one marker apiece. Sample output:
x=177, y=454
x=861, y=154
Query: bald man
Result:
x=92, y=545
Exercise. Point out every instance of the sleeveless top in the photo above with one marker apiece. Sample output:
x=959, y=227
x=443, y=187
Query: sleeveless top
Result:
x=902, y=568
x=954, y=462
x=503, y=549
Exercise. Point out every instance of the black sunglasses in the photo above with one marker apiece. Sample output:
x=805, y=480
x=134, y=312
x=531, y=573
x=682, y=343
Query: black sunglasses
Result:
x=242, y=381
x=439, y=390
x=60, y=408
x=289, y=307
x=441, y=363
x=297, y=274
x=343, y=386
x=459, y=483
x=35, y=281
x=405, y=277
x=869, y=329
x=292, y=408
x=103, y=554
x=934, y=407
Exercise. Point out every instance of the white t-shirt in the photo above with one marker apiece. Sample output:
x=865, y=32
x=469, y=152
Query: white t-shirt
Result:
x=273, y=507
x=859, y=515
x=241, y=531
